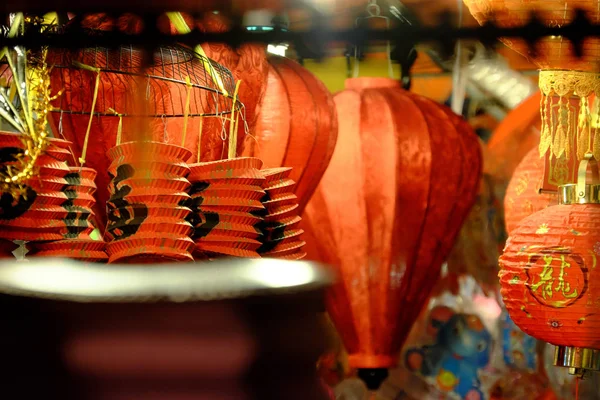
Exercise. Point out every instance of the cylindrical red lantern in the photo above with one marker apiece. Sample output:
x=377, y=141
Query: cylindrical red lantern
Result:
x=548, y=275
x=523, y=196
x=400, y=183
x=297, y=126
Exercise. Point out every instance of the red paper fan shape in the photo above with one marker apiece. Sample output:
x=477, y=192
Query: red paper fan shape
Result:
x=175, y=227
x=133, y=151
x=164, y=170
x=152, y=184
x=216, y=250
x=149, y=246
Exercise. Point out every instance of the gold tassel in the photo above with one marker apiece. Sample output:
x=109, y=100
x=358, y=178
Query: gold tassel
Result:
x=584, y=144
x=596, y=145
x=558, y=146
x=546, y=136
x=569, y=133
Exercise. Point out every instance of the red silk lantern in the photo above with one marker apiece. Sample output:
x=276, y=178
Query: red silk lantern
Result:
x=548, y=275
x=297, y=126
x=400, y=183
x=523, y=196
x=517, y=134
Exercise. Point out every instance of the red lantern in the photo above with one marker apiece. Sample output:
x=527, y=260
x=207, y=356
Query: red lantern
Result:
x=120, y=96
x=548, y=275
x=400, y=183
x=516, y=135
x=523, y=196
x=297, y=126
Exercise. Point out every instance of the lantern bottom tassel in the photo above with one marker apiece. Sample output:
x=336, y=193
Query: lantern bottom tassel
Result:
x=579, y=360
x=373, y=377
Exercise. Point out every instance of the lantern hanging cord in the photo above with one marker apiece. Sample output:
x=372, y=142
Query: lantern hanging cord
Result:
x=186, y=111
x=119, y=126
x=182, y=27
x=200, y=126
x=95, y=98
x=374, y=11
x=232, y=148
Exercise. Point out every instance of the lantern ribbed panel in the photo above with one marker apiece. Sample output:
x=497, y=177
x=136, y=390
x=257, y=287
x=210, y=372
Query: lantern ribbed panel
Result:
x=296, y=127
x=549, y=299
x=522, y=195
x=400, y=183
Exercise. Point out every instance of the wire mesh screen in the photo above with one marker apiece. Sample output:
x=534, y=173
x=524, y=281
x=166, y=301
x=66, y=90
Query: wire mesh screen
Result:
x=177, y=77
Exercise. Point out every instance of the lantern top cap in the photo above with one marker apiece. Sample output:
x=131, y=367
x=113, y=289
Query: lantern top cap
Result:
x=587, y=188
x=574, y=194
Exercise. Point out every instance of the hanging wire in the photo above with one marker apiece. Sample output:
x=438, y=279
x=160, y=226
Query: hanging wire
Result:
x=374, y=12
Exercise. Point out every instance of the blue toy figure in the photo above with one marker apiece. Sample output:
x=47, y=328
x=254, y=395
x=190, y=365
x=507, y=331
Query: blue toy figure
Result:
x=461, y=348
x=519, y=349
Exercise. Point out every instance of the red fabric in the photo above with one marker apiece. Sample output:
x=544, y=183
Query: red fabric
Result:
x=548, y=275
x=248, y=64
x=401, y=181
x=522, y=195
x=518, y=133
x=297, y=126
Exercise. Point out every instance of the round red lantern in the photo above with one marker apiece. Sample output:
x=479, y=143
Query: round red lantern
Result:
x=548, y=275
x=297, y=126
x=400, y=183
x=523, y=196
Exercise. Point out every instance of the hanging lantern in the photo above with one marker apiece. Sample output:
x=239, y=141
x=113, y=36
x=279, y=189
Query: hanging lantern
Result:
x=281, y=237
x=297, y=126
x=108, y=97
x=567, y=83
x=400, y=183
x=523, y=196
x=147, y=212
x=38, y=214
x=225, y=198
x=511, y=141
x=548, y=275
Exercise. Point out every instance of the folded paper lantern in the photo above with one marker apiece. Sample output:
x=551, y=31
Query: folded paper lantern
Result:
x=78, y=249
x=148, y=207
x=279, y=238
x=225, y=198
x=523, y=196
x=297, y=126
x=44, y=211
x=401, y=181
x=548, y=274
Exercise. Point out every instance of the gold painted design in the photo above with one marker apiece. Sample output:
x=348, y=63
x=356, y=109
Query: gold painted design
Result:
x=542, y=229
x=565, y=126
x=514, y=280
x=550, y=286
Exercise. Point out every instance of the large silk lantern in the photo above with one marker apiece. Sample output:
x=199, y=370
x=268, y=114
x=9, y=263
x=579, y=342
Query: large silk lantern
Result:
x=296, y=127
x=549, y=275
x=400, y=183
x=523, y=196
